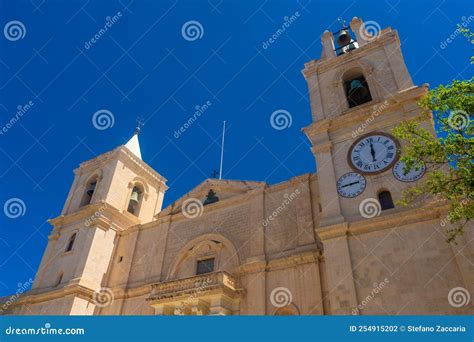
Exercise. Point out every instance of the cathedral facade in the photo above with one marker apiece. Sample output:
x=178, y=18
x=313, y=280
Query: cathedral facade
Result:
x=333, y=242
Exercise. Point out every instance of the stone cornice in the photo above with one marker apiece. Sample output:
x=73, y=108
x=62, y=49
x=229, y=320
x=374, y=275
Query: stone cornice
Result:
x=294, y=181
x=225, y=281
x=101, y=214
x=237, y=200
x=359, y=114
x=38, y=296
x=219, y=186
x=388, y=220
x=127, y=157
x=395, y=219
x=331, y=232
x=97, y=162
x=133, y=161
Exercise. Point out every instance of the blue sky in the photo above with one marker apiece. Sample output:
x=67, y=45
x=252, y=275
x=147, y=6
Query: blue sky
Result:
x=143, y=66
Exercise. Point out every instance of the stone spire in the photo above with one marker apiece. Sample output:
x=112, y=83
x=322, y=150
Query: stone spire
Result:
x=133, y=144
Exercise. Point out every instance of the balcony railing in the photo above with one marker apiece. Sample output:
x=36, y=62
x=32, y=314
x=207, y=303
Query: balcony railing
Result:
x=198, y=286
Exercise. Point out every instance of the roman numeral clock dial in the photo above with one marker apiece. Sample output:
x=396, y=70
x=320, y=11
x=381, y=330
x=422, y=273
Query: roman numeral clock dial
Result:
x=373, y=153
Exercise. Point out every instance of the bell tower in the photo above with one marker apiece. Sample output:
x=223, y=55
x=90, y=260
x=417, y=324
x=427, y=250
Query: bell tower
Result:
x=110, y=193
x=359, y=90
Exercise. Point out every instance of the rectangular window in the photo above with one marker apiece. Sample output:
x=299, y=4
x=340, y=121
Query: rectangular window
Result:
x=205, y=266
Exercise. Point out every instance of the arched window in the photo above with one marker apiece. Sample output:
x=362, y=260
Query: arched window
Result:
x=356, y=89
x=90, y=188
x=135, y=200
x=60, y=279
x=70, y=243
x=385, y=199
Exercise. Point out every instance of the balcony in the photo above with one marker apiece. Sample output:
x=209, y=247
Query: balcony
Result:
x=214, y=293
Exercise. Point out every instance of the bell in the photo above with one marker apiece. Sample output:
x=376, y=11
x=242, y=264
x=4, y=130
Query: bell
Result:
x=356, y=87
x=343, y=38
x=352, y=45
x=91, y=188
x=134, y=197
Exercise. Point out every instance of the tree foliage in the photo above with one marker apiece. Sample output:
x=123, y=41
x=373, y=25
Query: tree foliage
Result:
x=448, y=157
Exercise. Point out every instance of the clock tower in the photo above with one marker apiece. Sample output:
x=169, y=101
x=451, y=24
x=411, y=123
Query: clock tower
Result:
x=360, y=89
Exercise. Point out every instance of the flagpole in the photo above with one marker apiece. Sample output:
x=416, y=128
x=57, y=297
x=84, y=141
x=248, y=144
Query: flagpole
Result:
x=222, y=151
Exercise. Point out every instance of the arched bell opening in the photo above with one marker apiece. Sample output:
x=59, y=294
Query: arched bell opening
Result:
x=135, y=201
x=91, y=185
x=356, y=89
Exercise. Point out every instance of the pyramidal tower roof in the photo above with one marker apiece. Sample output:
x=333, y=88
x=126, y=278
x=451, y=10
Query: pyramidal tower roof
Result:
x=134, y=146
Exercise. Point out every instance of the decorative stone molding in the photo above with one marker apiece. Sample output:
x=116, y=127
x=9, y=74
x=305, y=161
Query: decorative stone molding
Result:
x=110, y=217
x=366, y=68
x=48, y=294
x=206, y=239
x=394, y=219
x=137, y=162
x=333, y=231
x=197, y=295
x=385, y=221
x=359, y=114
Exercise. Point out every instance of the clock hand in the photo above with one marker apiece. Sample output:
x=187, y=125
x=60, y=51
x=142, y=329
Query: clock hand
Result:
x=372, y=152
x=349, y=184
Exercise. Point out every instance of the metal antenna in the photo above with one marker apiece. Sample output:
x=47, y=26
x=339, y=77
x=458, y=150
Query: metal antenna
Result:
x=222, y=151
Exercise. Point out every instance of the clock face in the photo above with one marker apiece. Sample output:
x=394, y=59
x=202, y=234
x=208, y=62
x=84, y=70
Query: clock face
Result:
x=373, y=153
x=351, y=185
x=412, y=175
